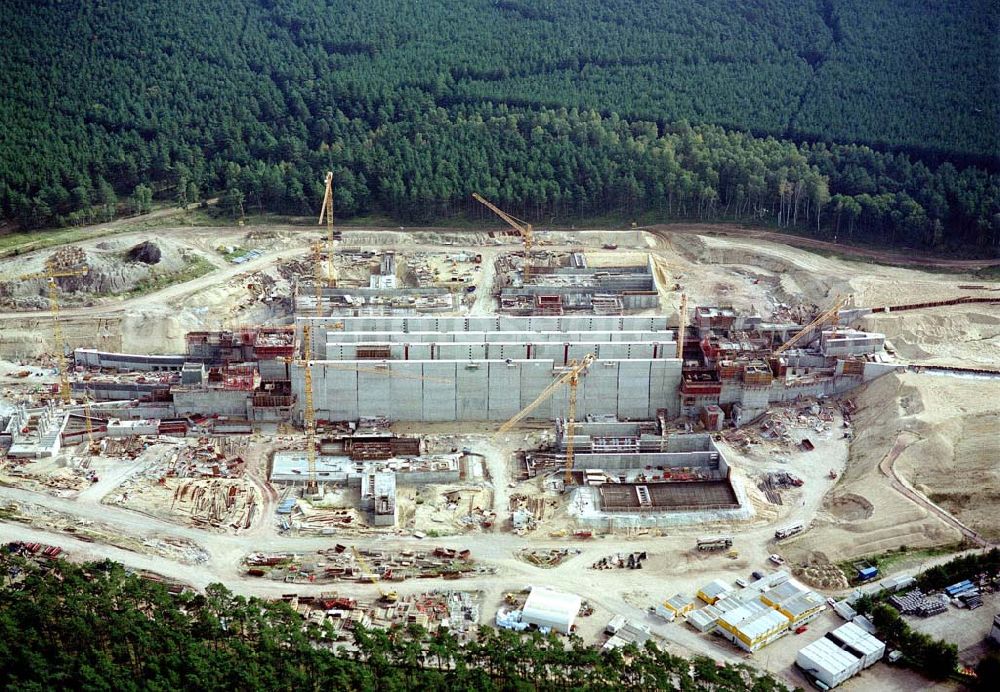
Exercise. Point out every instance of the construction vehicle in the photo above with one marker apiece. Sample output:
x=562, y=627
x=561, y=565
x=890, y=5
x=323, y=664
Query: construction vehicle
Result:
x=386, y=596
x=819, y=322
x=719, y=543
x=59, y=346
x=788, y=531
x=326, y=212
x=523, y=228
x=571, y=379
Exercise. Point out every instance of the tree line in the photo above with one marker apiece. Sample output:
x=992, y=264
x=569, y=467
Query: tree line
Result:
x=557, y=109
x=936, y=658
x=96, y=626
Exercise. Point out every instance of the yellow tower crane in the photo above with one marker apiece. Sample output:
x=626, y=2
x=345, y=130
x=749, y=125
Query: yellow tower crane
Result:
x=522, y=227
x=309, y=413
x=327, y=213
x=821, y=320
x=50, y=276
x=682, y=317
x=92, y=445
x=317, y=249
x=570, y=378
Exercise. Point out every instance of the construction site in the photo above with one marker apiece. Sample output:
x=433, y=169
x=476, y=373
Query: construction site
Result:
x=332, y=408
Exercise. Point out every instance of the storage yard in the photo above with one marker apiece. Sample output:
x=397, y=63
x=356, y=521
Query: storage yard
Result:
x=685, y=436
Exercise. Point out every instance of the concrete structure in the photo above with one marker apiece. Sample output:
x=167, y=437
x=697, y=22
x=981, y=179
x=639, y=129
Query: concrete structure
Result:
x=378, y=497
x=995, y=630
x=372, y=301
x=35, y=433
x=487, y=368
x=293, y=467
x=608, y=290
x=686, y=481
x=132, y=428
x=552, y=609
x=840, y=655
x=92, y=358
x=850, y=342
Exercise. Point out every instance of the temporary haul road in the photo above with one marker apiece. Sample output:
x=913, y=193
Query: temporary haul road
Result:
x=225, y=271
x=881, y=256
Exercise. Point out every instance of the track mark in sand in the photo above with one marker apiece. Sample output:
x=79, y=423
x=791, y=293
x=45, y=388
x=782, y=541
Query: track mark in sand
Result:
x=888, y=468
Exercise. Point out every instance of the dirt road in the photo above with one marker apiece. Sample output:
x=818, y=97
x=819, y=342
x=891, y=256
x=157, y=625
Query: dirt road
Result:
x=908, y=258
x=888, y=468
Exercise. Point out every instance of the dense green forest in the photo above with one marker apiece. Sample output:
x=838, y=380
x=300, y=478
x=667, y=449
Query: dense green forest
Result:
x=96, y=627
x=869, y=121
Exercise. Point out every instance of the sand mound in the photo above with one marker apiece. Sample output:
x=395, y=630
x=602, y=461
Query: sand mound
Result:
x=865, y=515
x=818, y=571
x=965, y=335
x=111, y=272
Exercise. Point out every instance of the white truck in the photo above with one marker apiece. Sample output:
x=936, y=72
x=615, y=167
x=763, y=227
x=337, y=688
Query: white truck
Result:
x=717, y=543
x=788, y=531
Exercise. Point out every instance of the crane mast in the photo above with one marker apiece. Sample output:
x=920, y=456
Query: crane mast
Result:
x=571, y=379
x=317, y=249
x=571, y=427
x=682, y=316
x=326, y=212
x=50, y=277
x=522, y=227
x=309, y=413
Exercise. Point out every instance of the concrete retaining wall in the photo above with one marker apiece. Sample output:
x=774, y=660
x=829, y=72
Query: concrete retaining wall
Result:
x=92, y=358
x=460, y=390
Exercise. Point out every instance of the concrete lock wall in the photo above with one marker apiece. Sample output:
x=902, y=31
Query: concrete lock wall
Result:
x=489, y=368
x=93, y=358
x=330, y=329
x=380, y=337
x=224, y=402
x=495, y=390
